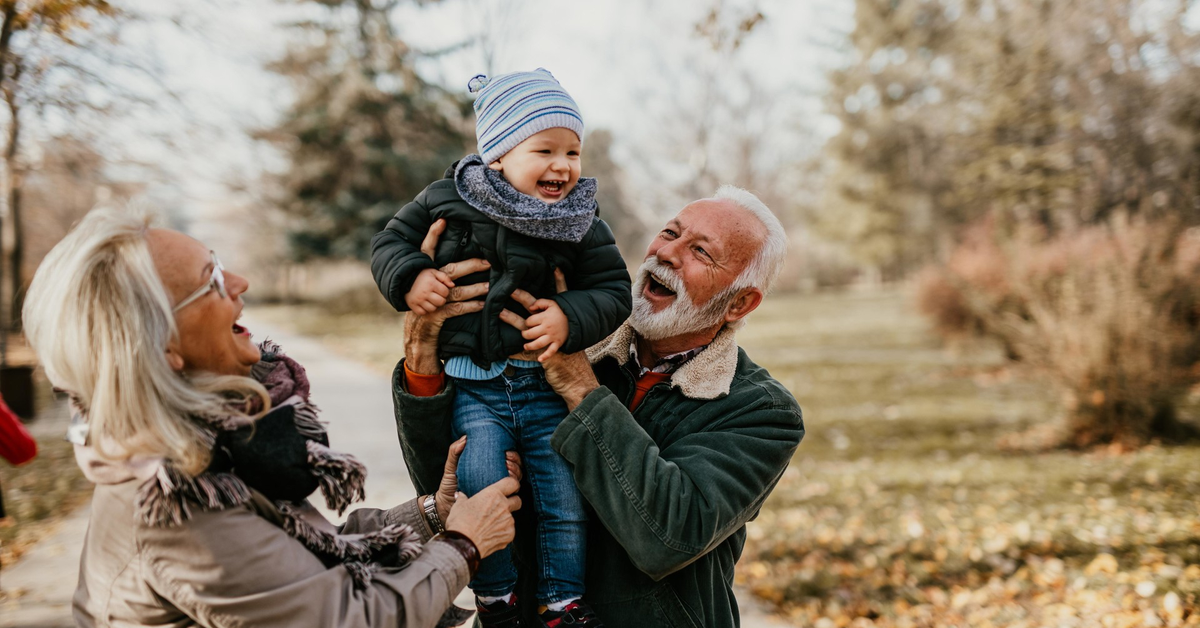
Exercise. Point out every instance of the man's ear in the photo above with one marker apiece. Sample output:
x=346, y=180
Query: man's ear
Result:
x=174, y=359
x=496, y=165
x=746, y=301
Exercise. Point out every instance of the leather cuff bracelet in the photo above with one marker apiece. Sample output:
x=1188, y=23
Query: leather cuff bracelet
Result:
x=466, y=547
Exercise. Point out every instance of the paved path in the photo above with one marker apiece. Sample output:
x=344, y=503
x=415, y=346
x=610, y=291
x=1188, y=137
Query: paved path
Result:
x=356, y=403
x=37, y=589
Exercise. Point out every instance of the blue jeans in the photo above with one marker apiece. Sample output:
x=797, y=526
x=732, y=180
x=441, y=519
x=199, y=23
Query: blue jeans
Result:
x=518, y=410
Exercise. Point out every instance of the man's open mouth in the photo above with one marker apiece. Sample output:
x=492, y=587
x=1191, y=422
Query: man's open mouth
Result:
x=657, y=288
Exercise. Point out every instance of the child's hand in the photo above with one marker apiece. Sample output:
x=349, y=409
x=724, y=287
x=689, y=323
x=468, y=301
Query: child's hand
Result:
x=547, y=328
x=429, y=291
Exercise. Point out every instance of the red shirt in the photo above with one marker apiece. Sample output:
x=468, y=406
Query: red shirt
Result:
x=643, y=385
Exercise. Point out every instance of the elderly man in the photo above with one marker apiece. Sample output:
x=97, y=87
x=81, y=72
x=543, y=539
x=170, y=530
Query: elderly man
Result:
x=675, y=437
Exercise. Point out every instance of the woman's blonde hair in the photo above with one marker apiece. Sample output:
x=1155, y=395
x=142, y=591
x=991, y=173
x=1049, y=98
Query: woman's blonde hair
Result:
x=99, y=317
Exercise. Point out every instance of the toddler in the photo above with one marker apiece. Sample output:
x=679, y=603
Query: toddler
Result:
x=521, y=205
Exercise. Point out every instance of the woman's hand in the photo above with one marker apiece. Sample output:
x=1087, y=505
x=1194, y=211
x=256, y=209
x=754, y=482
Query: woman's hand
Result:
x=569, y=374
x=448, y=487
x=487, y=518
x=421, y=329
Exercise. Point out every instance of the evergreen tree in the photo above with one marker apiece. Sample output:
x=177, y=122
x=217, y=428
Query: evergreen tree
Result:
x=366, y=133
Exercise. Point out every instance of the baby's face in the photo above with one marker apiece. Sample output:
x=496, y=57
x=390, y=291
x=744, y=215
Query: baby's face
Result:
x=545, y=166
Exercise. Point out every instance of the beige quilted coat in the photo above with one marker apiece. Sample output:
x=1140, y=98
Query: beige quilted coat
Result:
x=237, y=567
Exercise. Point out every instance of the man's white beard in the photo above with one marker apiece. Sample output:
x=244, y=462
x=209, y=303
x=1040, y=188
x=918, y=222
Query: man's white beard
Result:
x=682, y=316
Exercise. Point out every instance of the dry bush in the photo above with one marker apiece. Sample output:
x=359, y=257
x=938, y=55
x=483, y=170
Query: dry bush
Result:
x=940, y=300
x=358, y=299
x=978, y=266
x=1110, y=314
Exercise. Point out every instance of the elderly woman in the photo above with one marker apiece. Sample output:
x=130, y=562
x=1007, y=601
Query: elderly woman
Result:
x=203, y=448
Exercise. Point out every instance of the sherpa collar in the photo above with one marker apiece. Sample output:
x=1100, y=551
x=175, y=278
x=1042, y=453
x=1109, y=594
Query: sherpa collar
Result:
x=488, y=191
x=708, y=375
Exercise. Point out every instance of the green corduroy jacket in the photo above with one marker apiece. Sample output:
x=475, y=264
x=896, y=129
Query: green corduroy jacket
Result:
x=670, y=485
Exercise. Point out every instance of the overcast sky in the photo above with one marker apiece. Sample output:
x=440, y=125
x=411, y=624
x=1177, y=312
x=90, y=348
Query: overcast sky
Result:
x=626, y=62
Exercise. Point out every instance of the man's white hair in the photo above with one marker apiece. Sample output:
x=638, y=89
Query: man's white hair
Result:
x=762, y=271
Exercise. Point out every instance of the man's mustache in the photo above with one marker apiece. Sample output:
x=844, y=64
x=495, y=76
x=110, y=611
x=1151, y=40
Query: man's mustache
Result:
x=662, y=274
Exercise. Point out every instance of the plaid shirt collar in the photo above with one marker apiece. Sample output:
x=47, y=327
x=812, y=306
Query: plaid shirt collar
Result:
x=666, y=364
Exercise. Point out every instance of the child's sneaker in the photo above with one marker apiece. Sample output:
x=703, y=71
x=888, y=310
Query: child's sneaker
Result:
x=499, y=614
x=576, y=613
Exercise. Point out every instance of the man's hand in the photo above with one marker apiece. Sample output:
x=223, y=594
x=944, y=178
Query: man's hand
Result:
x=421, y=329
x=546, y=328
x=570, y=374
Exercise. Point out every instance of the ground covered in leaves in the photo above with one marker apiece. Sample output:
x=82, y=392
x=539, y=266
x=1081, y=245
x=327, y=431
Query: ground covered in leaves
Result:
x=902, y=509
x=38, y=494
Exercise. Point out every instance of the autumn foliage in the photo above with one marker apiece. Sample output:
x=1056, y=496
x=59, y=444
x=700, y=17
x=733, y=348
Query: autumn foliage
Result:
x=903, y=508
x=1110, y=314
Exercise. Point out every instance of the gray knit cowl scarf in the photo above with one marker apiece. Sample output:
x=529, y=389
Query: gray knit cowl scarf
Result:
x=488, y=191
x=285, y=456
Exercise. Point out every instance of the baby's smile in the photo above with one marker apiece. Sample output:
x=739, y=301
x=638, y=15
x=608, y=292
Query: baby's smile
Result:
x=550, y=187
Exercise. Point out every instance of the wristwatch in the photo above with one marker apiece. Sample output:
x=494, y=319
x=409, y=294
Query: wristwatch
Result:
x=431, y=514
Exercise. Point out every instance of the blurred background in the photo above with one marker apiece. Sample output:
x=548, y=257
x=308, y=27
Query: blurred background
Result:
x=990, y=311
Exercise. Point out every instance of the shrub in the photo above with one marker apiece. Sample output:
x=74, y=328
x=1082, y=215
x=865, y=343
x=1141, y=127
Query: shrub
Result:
x=977, y=263
x=1110, y=314
x=359, y=299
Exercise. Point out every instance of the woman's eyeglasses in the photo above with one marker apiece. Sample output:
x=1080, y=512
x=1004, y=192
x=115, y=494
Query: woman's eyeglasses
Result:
x=216, y=282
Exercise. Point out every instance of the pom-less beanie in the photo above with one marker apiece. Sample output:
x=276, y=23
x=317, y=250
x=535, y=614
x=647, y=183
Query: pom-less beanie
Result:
x=512, y=107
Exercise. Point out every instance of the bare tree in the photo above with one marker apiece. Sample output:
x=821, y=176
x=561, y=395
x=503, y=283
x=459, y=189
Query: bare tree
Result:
x=25, y=28
x=492, y=19
x=65, y=72
x=61, y=182
x=1060, y=114
x=719, y=120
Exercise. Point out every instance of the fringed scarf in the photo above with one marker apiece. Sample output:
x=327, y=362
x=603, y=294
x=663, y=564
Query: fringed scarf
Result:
x=284, y=455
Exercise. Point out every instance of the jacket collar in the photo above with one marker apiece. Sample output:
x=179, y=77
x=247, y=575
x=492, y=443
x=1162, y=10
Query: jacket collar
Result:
x=707, y=376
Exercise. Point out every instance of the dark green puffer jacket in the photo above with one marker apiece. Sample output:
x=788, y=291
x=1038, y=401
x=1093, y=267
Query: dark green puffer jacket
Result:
x=598, y=297
x=670, y=485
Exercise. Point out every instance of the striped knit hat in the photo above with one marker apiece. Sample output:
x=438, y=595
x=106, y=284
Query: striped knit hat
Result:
x=512, y=107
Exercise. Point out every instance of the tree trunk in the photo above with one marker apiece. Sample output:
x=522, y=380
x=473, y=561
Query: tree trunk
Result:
x=15, y=181
x=6, y=31
x=18, y=253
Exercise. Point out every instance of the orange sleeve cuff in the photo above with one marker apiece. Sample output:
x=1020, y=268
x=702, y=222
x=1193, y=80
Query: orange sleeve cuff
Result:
x=420, y=385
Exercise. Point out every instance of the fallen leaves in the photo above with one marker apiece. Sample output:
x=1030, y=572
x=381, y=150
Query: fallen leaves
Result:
x=994, y=551
x=1102, y=564
x=37, y=495
x=904, y=510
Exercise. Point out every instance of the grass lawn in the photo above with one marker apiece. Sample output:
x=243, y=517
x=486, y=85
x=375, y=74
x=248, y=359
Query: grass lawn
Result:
x=901, y=509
